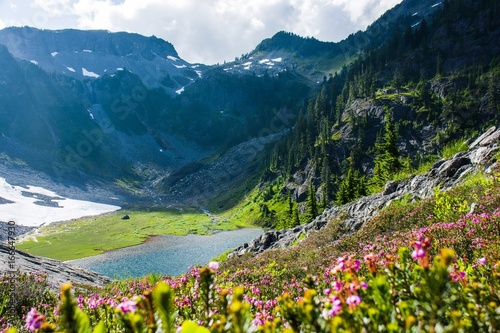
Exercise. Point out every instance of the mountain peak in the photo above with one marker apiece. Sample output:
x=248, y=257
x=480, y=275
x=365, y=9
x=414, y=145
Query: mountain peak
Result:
x=290, y=42
x=118, y=43
x=95, y=53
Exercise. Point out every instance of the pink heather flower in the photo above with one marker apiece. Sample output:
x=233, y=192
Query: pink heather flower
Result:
x=255, y=290
x=261, y=318
x=457, y=276
x=364, y=285
x=34, y=320
x=258, y=321
x=327, y=291
x=482, y=261
x=336, y=306
x=127, y=306
x=356, y=265
x=213, y=265
x=353, y=301
x=340, y=266
x=93, y=303
x=80, y=301
x=418, y=253
x=337, y=286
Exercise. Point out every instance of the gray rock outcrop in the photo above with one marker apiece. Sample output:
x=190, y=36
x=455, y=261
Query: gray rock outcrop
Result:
x=445, y=174
x=57, y=271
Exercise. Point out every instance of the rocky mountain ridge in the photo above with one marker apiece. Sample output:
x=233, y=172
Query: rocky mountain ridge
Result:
x=92, y=54
x=444, y=174
x=314, y=58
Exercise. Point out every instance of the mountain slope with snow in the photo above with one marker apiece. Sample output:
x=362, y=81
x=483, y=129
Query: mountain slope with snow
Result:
x=92, y=54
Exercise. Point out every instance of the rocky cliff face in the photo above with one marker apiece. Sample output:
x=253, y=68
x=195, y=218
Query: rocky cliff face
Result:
x=57, y=271
x=444, y=173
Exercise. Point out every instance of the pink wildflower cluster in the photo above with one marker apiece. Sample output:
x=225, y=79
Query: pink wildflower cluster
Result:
x=34, y=320
x=346, y=265
x=332, y=307
x=127, y=306
x=420, y=251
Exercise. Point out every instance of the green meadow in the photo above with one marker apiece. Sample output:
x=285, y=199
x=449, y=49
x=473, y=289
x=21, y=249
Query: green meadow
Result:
x=90, y=236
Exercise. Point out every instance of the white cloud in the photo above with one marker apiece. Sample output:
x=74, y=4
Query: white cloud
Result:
x=202, y=31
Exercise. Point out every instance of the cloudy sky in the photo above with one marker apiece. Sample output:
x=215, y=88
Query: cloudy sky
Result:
x=207, y=31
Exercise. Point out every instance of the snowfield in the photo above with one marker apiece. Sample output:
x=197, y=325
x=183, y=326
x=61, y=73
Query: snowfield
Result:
x=34, y=206
x=85, y=72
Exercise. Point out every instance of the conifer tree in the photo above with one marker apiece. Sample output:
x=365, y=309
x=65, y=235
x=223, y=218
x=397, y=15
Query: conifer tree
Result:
x=295, y=219
x=290, y=204
x=353, y=185
x=387, y=160
x=345, y=192
x=325, y=179
x=312, y=204
x=397, y=79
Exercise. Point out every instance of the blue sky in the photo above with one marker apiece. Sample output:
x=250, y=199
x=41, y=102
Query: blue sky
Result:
x=206, y=31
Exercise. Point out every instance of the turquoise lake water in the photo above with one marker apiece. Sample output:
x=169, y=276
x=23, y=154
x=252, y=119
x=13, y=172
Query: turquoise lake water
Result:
x=171, y=255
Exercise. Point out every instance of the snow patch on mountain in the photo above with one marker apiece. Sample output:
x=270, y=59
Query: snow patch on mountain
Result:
x=34, y=206
x=34, y=62
x=89, y=73
x=95, y=53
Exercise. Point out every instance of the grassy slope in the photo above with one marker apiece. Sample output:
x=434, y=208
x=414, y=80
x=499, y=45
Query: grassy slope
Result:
x=93, y=235
x=443, y=218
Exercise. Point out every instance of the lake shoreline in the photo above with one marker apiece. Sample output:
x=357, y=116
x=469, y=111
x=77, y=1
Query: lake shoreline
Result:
x=165, y=254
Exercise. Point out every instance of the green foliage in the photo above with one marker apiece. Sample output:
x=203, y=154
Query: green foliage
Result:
x=387, y=160
x=312, y=204
x=353, y=186
x=454, y=147
x=20, y=291
x=447, y=207
x=72, y=318
x=395, y=293
x=163, y=300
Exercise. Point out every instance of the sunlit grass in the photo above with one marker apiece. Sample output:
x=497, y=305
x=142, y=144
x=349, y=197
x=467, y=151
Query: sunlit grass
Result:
x=93, y=235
